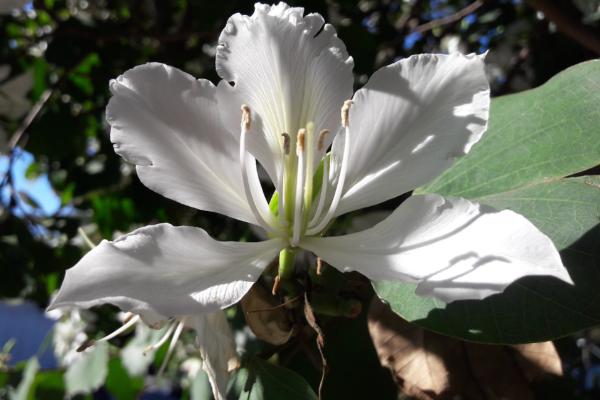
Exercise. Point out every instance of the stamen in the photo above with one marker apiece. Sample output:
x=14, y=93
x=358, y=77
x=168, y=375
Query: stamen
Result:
x=342, y=177
x=286, y=143
x=321, y=140
x=248, y=164
x=117, y=332
x=174, y=340
x=162, y=340
x=299, y=188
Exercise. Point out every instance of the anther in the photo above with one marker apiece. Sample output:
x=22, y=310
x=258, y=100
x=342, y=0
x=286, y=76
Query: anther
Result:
x=300, y=142
x=85, y=345
x=246, y=118
x=286, y=143
x=345, y=112
x=321, y=139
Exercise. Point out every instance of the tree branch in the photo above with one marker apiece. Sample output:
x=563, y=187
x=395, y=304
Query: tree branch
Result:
x=567, y=23
x=460, y=14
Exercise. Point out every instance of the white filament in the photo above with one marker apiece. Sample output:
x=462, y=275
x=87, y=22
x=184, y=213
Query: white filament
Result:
x=162, y=340
x=121, y=330
x=176, y=335
x=248, y=164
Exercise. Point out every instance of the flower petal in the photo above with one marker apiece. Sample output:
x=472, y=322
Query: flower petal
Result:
x=453, y=248
x=166, y=270
x=409, y=122
x=217, y=349
x=168, y=124
x=289, y=68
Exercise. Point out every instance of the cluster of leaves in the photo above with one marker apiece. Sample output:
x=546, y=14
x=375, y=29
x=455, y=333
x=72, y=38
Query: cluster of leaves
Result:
x=537, y=142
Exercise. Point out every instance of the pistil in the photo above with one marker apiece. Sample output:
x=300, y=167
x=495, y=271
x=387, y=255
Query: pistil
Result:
x=301, y=170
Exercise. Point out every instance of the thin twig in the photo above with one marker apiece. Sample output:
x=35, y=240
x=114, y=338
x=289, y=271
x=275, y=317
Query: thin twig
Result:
x=449, y=19
x=35, y=110
x=312, y=321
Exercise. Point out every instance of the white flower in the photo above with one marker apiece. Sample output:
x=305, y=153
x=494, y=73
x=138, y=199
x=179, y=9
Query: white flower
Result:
x=68, y=334
x=290, y=74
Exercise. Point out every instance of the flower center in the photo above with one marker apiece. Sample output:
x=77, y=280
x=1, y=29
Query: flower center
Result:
x=305, y=205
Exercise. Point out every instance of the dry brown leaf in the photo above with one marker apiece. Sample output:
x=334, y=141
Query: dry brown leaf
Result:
x=430, y=366
x=495, y=372
x=266, y=317
x=420, y=360
x=538, y=360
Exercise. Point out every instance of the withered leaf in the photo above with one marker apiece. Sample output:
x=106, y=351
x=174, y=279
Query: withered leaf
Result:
x=266, y=317
x=430, y=366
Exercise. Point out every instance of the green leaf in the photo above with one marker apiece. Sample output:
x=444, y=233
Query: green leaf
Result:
x=534, y=139
x=25, y=386
x=49, y=385
x=548, y=132
x=89, y=372
x=260, y=380
x=120, y=383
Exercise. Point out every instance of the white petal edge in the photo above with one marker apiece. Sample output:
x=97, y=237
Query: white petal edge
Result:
x=290, y=69
x=217, y=349
x=166, y=270
x=168, y=124
x=453, y=248
x=409, y=123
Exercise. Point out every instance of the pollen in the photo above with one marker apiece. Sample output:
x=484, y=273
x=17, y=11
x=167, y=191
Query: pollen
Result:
x=321, y=140
x=286, y=143
x=300, y=143
x=246, y=118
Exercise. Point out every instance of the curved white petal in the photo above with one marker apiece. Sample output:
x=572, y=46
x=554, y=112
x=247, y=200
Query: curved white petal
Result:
x=289, y=68
x=453, y=248
x=217, y=349
x=168, y=124
x=166, y=270
x=409, y=122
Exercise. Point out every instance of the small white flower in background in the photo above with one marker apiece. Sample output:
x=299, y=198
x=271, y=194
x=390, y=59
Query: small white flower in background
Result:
x=452, y=44
x=290, y=75
x=68, y=334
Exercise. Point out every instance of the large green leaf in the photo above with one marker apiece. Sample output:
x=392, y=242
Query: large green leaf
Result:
x=534, y=139
x=548, y=132
x=260, y=380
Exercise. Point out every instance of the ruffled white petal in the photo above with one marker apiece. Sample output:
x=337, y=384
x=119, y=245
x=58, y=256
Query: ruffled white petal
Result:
x=409, y=123
x=168, y=124
x=453, y=248
x=290, y=69
x=166, y=270
x=217, y=349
